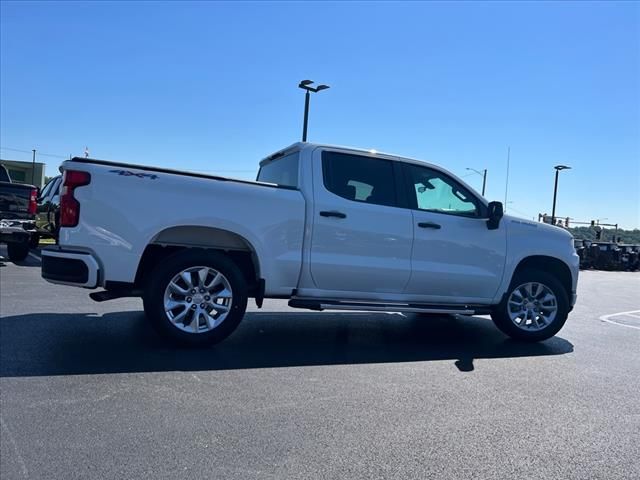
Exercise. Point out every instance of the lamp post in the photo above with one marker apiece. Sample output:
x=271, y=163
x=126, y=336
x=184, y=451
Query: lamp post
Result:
x=306, y=85
x=555, y=191
x=484, y=177
x=33, y=166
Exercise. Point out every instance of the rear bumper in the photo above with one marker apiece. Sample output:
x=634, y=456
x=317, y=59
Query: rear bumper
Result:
x=14, y=236
x=16, y=231
x=70, y=268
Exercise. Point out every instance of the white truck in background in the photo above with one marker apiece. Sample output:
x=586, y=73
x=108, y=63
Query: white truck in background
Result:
x=326, y=227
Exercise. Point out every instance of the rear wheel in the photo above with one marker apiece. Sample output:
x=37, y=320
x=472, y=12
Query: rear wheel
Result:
x=17, y=251
x=535, y=307
x=196, y=297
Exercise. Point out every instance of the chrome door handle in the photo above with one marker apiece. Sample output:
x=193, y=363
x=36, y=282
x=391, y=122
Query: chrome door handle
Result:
x=333, y=214
x=429, y=225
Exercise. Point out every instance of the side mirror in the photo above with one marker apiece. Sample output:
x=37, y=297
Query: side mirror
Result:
x=496, y=211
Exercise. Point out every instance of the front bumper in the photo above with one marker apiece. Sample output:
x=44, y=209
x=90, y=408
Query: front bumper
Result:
x=70, y=268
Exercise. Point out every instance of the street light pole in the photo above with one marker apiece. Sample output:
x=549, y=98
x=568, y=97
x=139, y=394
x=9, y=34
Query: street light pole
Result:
x=306, y=85
x=484, y=181
x=307, y=96
x=555, y=192
x=33, y=166
x=484, y=177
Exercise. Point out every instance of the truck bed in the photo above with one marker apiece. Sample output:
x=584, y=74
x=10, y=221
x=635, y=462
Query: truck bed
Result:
x=124, y=166
x=126, y=207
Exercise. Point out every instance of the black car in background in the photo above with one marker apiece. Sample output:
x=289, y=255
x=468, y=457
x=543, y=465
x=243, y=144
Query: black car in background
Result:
x=18, y=205
x=48, y=210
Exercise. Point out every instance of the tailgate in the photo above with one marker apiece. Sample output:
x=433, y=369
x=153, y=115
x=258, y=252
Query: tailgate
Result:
x=14, y=200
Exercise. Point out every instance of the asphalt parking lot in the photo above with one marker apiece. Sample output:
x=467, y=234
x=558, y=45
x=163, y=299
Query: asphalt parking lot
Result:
x=90, y=391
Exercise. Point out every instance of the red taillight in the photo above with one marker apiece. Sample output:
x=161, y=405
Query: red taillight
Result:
x=33, y=202
x=69, y=206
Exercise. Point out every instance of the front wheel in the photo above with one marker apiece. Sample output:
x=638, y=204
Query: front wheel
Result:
x=195, y=297
x=535, y=307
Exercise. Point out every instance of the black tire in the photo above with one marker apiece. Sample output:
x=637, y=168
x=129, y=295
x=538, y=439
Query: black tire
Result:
x=34, y=241
x=500, y=315
x=17, y=251
x=161, y=276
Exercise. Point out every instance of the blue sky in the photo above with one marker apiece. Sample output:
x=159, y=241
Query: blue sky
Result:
x=212, y=87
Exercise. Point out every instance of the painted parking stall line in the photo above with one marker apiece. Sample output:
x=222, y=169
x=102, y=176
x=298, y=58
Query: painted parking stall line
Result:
x=621, y=317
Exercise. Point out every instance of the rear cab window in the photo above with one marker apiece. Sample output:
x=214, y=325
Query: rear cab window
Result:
x=282, y=171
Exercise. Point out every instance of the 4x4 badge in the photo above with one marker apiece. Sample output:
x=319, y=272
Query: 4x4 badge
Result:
x=128, y=173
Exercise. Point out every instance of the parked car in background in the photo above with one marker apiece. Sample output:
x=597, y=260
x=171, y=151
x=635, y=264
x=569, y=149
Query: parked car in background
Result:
x=581, y=250
x=326, y=227
x=48, y=210
x=628, y=257
x=17, y=214
x=605, y=256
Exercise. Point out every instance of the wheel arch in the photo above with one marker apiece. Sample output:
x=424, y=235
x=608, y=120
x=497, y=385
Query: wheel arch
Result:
x=548, y=264
x=173, y=239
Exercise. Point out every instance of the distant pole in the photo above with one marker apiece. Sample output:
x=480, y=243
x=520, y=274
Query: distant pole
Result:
x=307, y=96
x=306, y=86
x=484, y=181
x=506, y=183
x=555, y=192
x=483, y=174
x=33, y=167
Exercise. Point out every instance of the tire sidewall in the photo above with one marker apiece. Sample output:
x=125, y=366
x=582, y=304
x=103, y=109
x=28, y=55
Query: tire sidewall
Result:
x=160, y=277
x=17, y=252
x=501, y=315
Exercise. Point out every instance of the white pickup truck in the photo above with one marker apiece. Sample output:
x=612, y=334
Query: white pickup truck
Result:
x=326, y=227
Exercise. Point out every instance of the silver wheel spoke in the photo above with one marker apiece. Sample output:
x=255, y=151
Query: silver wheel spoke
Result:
x=222, y=294
x=547, y=298
x=178, y=289
x=173, y=304
x=537, y=291
x=186, y=277
x=180, y=316
x=211, y=322
x=195, y=323
x=216, y=280
x=202, y=276
x=220, y=308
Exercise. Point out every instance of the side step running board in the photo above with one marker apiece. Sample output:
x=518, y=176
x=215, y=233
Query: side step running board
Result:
x=104, y=295
x=333, y=304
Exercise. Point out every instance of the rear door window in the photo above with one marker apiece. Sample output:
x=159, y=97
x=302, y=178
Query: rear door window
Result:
x=360, y=178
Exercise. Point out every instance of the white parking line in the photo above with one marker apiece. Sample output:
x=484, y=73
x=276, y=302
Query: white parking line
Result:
x=631, y=313
x=34, y=256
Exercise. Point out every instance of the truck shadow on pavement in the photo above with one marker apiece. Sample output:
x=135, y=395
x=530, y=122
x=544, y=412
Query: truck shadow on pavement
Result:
x=78, y=344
